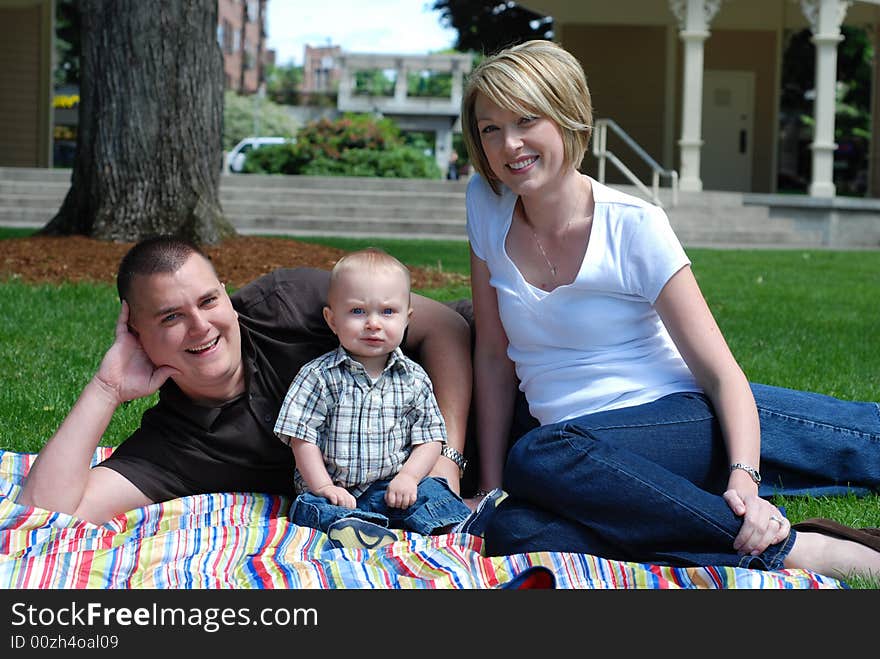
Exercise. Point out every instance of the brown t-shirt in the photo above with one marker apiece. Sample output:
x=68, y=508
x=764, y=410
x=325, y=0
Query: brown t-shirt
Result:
x=182, y=448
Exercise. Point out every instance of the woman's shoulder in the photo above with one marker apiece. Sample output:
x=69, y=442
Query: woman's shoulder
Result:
x=603, y=194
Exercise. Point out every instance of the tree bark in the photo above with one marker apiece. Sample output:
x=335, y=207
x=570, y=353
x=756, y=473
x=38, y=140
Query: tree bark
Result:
x=149, y=147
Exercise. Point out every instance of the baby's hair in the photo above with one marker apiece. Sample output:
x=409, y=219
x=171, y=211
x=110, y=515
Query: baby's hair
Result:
x=369, y=258
x=535, y=78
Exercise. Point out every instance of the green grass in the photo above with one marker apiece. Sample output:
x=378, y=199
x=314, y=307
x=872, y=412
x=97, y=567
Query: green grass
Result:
x=15, y=232
x=800, y=319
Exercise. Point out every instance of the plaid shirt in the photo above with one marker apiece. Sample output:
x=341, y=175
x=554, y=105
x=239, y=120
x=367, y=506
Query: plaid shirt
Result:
x=365, y=429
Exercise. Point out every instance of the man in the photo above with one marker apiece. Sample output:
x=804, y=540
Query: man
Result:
x=222, y=366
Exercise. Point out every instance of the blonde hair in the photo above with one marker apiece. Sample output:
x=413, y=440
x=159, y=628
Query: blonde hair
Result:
x=369, y=258
x=537, y=78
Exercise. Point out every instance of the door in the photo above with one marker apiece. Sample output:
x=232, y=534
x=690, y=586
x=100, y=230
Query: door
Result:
x=728, y=118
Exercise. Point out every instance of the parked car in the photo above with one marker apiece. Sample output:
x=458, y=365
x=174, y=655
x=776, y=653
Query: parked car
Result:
x=237, y=156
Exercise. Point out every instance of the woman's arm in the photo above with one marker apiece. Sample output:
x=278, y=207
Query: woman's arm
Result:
x=690, y=323
x=441, y=339
x=494, y=378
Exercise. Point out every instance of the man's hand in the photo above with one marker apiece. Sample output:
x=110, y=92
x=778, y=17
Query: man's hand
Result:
x=402, y=491
x=126, y=373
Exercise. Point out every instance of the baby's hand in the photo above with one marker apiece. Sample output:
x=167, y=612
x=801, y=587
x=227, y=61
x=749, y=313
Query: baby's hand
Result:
x=338, y=496
x=402, y=491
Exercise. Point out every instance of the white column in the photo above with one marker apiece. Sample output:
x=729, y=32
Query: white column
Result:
x=693, y=17
x=825, y=18
x=400, y=83
x=346, y=82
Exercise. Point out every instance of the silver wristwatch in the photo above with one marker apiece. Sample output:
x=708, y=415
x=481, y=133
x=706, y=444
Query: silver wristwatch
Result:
x=455, y=456
x=751, y=471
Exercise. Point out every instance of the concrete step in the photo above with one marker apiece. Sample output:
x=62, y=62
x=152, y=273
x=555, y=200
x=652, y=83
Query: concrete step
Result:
x=411, y=208
x=349, y=226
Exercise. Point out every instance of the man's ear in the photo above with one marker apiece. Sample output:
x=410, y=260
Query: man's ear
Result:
x=329, y=319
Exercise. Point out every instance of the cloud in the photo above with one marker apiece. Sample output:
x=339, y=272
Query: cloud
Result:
x=377, y=26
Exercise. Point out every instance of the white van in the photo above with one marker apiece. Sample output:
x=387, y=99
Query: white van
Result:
x=236, y=157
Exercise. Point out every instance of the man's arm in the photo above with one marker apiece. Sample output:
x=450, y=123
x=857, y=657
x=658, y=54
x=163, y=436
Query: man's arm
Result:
x=440, y=339
x=60, y=478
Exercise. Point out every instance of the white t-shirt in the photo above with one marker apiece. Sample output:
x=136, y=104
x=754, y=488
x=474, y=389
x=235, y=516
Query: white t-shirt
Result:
x=595, y=344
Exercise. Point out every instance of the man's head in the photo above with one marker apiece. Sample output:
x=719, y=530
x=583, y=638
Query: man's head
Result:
x=183, y=317
x=368, y=303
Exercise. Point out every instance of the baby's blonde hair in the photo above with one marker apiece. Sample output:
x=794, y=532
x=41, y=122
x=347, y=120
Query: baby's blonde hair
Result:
x=535, y=78
x=369, y=258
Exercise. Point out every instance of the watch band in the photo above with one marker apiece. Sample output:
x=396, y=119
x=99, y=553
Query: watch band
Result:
x=454, y=455
x=751, y=471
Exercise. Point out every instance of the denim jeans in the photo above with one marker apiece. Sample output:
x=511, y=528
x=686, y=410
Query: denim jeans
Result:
x=436, y=507
x=644, y=483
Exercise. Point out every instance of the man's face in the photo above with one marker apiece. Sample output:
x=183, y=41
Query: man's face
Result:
x=185, y=319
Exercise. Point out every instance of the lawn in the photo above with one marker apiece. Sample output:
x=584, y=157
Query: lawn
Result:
x=800, y=319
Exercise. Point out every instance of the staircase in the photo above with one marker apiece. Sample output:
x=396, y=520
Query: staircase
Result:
x=402, y=208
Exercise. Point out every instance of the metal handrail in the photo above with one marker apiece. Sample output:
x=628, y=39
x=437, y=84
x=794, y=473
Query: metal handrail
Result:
x=600, y=150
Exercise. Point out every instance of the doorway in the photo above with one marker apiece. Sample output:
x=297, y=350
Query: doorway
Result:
x=728, y=130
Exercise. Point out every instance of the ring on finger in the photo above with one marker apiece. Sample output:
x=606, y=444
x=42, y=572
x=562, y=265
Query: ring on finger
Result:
x=778, y=520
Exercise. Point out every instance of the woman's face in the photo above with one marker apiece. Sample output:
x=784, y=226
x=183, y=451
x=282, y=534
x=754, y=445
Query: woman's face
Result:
x=525, y=152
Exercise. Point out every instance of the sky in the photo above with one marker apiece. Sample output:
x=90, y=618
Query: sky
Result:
x=358, y=26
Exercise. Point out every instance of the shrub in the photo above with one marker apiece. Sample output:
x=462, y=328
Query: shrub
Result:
x=353, y=145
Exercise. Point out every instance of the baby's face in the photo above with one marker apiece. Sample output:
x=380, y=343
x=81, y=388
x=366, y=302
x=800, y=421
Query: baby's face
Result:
x=369, y=311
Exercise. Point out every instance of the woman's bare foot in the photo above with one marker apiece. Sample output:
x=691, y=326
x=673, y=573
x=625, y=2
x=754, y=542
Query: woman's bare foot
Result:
x=833, y=557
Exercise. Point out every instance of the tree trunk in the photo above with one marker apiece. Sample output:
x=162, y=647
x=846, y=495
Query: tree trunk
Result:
x=149, y=148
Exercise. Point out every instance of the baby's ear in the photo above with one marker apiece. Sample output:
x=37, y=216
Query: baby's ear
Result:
x=328, y=318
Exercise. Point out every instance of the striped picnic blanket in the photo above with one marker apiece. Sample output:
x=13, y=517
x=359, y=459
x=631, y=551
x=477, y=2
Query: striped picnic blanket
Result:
x=244, y=540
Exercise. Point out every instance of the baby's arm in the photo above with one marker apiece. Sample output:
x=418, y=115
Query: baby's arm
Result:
x=403, y=489
x=310, y=463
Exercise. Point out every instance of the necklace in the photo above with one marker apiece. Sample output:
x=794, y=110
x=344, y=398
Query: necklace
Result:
x=554, y=269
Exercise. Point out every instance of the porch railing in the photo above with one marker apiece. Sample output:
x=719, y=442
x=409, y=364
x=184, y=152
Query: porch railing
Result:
x=601, y=152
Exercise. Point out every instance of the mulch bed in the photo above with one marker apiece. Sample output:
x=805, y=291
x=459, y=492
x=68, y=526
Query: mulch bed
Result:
x=44, y=259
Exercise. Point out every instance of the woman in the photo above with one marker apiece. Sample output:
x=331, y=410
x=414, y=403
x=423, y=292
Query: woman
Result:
x=651, y=444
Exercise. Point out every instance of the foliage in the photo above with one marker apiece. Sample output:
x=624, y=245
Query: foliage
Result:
x=283, y=83
x=486, y=27
x=852, y=126
x=352, y=145
x=244, y=116
x=67, y=43
x=429, y=84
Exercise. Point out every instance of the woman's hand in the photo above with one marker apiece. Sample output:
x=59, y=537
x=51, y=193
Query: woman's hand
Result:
x=763, y=523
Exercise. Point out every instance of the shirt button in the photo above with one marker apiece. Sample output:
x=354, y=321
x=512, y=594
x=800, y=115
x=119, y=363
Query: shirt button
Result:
x=267, y=418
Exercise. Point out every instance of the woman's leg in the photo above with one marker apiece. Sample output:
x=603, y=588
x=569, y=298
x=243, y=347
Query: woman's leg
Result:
x=816, y=444
x=645, y=481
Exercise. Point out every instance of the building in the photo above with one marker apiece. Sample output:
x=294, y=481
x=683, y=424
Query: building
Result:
x=321, y=69
x=696, y=83
x=438, y=115
x=26, y=53
x=241, y=33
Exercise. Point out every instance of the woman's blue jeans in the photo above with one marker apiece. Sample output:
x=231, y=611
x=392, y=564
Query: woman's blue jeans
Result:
x=644, y=483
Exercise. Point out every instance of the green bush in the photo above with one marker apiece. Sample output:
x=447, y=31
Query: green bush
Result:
x=243, y=116
x=353, y=145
